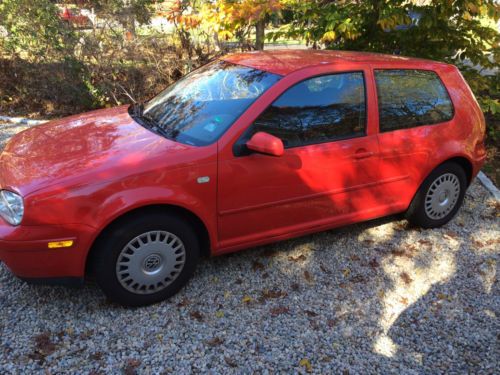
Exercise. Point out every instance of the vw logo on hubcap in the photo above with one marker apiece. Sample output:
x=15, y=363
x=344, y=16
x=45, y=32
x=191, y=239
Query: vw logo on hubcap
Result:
x=152, y=263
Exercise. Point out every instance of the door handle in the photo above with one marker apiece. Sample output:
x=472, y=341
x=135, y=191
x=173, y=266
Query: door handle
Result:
x=362, y=154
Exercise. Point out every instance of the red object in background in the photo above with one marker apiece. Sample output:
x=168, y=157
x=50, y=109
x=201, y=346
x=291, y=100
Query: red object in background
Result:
x=78, y=20
x=80, y=174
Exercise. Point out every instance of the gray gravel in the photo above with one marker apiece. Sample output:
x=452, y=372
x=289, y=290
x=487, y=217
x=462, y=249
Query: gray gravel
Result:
x=379, y=297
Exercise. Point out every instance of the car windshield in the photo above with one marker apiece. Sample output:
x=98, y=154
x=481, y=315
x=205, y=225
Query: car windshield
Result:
x=200, y=107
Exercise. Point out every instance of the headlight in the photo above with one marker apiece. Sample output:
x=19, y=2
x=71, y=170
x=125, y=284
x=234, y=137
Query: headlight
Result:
x=11, y=207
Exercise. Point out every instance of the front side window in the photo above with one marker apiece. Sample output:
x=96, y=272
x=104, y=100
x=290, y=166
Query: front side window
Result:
x=200, y=107
x=409, y=98
x=317, y=110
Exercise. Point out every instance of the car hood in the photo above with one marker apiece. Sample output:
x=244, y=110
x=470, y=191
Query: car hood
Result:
x=92, y=147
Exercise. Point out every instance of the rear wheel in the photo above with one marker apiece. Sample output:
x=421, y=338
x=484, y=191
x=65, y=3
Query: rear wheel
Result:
x=439, y=197
x=146, y=259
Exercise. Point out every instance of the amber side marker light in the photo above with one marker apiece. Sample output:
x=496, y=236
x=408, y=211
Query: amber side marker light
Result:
x=60, y=244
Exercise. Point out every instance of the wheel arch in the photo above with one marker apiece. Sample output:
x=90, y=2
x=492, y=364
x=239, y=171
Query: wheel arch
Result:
x=463, y=162
x=198, y=225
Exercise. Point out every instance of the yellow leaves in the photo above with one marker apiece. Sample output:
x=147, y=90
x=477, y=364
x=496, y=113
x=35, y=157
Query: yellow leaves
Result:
x=394, y=20
x=247, y=299
x=306, y=364
x=467, y=16
x=329, y=36
x=346, y=272
x=219, y=314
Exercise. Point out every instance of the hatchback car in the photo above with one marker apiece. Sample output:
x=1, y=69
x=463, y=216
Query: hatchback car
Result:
x=250, y=149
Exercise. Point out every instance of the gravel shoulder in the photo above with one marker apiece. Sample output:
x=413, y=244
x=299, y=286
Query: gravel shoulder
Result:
x=380, y=297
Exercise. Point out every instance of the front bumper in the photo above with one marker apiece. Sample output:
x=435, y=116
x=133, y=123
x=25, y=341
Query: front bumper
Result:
x=24, y=250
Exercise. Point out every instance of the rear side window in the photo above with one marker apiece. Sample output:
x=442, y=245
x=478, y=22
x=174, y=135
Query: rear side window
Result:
x=317, y=110
x=409, y=98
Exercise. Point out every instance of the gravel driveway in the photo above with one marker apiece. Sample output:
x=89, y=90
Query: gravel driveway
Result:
x=373, y=298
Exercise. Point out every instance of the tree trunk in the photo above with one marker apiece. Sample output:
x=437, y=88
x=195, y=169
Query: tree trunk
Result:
x=260, y=28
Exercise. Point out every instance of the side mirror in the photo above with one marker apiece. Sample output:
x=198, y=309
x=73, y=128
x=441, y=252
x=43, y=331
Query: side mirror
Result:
x=266, y=143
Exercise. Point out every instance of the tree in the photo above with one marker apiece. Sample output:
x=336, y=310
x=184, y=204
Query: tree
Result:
x=238, y=17
x=227, y=19
x=126, y=12
x=34, y=30
x=444, y=30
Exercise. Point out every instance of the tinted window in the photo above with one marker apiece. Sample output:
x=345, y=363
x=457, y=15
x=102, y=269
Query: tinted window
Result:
x=199, y=108
x=317, y=110
x=409, y=98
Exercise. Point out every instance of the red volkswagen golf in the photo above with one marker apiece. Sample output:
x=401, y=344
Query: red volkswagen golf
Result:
x=250, y=149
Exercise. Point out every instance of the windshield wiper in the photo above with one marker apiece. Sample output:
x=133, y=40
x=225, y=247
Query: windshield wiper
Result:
x=136, y=110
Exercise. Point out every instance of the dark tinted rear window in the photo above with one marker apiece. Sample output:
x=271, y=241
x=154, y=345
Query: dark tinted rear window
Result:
x=409, y=98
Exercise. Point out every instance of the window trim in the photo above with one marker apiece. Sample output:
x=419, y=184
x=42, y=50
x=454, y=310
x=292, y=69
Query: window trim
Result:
x=240, y=149
x=453, y=112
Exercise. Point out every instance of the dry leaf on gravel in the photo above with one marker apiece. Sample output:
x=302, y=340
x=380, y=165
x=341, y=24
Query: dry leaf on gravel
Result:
x=216, y=341
x=308, y=277
x=279, y=310
x=406, y=278
x=196, y=315
x=306, y=364
x=300, y=258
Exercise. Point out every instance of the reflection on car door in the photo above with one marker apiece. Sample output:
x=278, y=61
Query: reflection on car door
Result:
x=328, y=173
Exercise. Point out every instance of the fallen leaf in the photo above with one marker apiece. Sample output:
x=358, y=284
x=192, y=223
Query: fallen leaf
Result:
x=183, y=303
x=277, y=293
x=219, y=314
x=406, y=278
x=324, y=269
x=196, y=315
x=346, y=272
x=442, y=296
x=216, y=341
x=300, y=258
x=308, y=276
x=306, y=364
x=451, y=234
x=131, y=366
x=398, y=252
x=230, y=362
x=374, y=263
x=227, y=294
x=247, y=299
x=279, y=310
x=310, y=313
x=354, y=258
x=44, y=344
x=295, y=287
x=256, y=265
x=238, y=281
x=425, y=242
x=357, y=279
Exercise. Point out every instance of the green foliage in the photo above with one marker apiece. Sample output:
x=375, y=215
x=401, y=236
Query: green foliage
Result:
x=125, y=12
x=442, y=30
x=34, y=29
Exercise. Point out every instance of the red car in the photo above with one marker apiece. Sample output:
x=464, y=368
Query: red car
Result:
x=250, y=149
x=75, y=19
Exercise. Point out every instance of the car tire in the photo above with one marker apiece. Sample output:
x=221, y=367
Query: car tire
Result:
x=439, y=197
x=146, y=259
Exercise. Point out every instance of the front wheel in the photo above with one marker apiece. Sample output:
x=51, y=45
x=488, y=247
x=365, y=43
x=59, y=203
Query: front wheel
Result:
x=146, y=259
x=439, y=197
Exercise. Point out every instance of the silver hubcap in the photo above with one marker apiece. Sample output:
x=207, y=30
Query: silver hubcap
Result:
x=150, y=262
x=442, y=196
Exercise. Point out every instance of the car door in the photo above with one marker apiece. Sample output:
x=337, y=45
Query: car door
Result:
x=414, y=111
x=327, y=174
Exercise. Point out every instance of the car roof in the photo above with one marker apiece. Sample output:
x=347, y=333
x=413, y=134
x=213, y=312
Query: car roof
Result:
x=284, y=62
